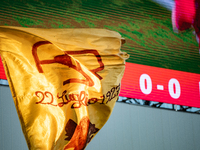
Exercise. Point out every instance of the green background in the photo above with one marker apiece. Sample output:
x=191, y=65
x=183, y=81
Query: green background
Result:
x=145, y=25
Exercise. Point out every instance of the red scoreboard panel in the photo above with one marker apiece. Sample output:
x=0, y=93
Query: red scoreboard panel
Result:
x=156, y=84
x=2, y=72
x=161, y=85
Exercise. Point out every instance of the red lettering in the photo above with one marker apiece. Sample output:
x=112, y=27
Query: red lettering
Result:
x=77, y=100
x=45, y=94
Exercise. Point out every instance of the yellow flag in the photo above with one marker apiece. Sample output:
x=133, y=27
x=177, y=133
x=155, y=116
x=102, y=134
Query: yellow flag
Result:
x=64, y=82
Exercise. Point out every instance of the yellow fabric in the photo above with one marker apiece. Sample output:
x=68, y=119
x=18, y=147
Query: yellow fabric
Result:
x=64, y=82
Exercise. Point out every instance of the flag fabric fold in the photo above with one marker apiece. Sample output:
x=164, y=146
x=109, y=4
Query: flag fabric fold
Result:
x=64, y=82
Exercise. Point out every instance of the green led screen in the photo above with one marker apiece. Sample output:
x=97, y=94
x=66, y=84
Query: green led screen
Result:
x=144, y=24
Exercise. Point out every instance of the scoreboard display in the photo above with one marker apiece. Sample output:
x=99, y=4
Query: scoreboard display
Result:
x=164, y=66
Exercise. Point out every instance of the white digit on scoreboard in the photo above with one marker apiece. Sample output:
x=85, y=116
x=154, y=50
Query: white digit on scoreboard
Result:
x=145, y=84
x=174, y=88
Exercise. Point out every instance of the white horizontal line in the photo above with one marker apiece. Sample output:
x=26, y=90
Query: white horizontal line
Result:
x=160, y=87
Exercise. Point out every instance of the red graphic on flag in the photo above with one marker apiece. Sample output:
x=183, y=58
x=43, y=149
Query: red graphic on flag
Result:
x=65, y=59
x=79, y=135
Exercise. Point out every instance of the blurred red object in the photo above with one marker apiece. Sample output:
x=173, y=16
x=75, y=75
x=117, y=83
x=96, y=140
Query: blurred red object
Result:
x=186, y=14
